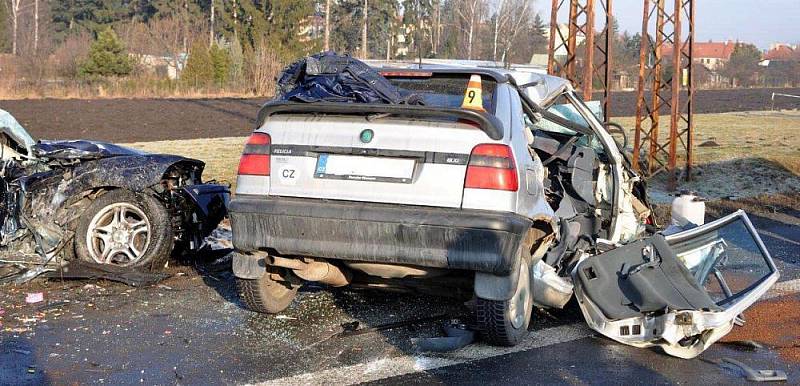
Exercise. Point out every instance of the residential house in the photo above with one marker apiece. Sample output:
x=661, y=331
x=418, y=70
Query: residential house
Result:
x=562, y=35
x=162, y=66
x=711, y=55
x=782, y=65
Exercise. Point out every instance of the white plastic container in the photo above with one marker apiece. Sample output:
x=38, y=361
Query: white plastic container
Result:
x=688, y=208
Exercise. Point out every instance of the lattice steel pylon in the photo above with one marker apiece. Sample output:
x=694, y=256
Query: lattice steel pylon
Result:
x=597, y=53
x=665, y=88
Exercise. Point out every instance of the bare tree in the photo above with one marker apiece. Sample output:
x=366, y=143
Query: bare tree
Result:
x=211, y=36
x=511, y=19
x=364, y=32
x=497, y=16
x=66, y=57
x=327, y=25
x=14, y=6
x=185, y=17
x=469, y=12
x=437, y=27
x=35, y=27
x=264, y=69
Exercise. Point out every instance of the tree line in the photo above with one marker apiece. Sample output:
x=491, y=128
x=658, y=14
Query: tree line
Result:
x=240, y=44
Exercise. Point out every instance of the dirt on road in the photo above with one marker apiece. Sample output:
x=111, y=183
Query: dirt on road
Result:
x=141, y=120
x=775, y=323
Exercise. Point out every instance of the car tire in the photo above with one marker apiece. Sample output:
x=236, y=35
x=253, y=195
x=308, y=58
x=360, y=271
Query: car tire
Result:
x=505, y=323
x=129, y=213
x=267, y=294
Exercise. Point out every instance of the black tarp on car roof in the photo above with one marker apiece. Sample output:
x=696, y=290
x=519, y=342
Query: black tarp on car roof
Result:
x=328, y=77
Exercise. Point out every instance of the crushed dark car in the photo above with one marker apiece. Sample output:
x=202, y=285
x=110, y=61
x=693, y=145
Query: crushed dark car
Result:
x=96, y=204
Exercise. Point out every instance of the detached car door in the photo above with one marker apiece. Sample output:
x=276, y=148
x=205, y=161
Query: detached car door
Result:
x=681, y=292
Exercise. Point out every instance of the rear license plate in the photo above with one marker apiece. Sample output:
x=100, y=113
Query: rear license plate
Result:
x=360, y=168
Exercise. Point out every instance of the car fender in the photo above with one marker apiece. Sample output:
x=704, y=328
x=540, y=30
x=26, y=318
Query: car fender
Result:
x=249, y=266
x=48, y=195
x=497, y=287
x=135, y=173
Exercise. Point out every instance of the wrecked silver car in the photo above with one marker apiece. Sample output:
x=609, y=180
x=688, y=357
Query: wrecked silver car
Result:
x=93, y=204
x=463, y=175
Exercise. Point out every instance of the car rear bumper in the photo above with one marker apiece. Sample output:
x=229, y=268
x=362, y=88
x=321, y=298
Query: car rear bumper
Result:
x=383, y=233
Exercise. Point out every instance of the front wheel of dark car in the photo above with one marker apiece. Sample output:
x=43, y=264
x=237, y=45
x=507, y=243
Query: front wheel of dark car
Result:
x=269, y=294
x=505, y=323
x=125, y=229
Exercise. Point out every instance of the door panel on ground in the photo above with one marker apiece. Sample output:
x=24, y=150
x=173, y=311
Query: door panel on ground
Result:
x=680, y=292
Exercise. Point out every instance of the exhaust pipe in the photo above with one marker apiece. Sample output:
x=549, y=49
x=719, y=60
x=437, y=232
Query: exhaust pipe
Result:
x=314, y=270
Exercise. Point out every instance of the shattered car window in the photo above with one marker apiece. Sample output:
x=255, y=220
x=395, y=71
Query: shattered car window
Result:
x=445, y=90
x=727, y=262
x=563, y=108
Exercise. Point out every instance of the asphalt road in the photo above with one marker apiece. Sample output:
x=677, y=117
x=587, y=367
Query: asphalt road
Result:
x=191, y=329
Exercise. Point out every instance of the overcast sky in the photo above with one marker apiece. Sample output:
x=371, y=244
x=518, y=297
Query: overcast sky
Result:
x=760, y=22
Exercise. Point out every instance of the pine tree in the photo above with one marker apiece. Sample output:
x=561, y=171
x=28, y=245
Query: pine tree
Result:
x=285, y=18
x=538, y=32
x=220, y=63
x=91, y=15
x=742, y=67
x=381, y=25
x=199, y=69
x=107, y=57
x=418, y=13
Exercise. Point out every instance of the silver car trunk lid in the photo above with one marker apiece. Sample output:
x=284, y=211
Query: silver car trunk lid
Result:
x=384, y=160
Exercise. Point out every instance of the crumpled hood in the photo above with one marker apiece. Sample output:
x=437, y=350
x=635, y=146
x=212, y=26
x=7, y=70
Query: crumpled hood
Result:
x=82, y=150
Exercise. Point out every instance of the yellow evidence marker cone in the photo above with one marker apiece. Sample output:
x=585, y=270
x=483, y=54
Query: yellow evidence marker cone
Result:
x=472, y=98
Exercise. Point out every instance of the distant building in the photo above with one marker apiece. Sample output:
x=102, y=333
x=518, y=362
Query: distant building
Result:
x=162, y=66
x=562, y=35
x=782, y=52
x=539, y=60
x=712, y=55
x=782, y=65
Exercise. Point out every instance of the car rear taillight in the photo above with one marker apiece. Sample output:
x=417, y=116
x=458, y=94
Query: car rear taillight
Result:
x=255, y=158
x=491, y=166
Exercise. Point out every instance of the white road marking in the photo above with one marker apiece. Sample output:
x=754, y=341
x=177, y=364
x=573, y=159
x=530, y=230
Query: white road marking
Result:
x=391, y=367
x=777, y=236
x=406, y=364
x=787, y=287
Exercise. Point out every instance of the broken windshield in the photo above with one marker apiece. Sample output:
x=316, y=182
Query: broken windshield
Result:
x=563, y=117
